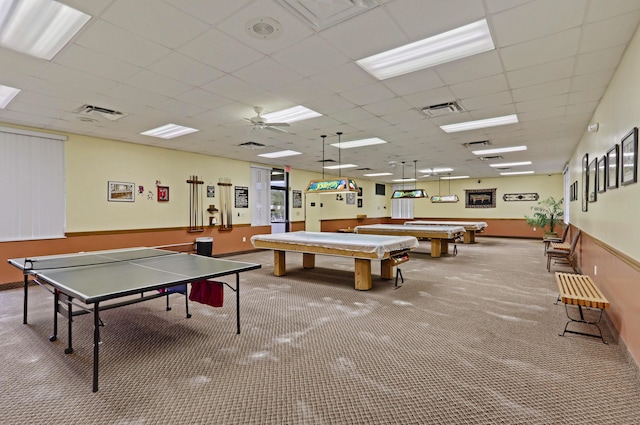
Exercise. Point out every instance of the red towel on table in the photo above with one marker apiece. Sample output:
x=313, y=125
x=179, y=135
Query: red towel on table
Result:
x=207, y=292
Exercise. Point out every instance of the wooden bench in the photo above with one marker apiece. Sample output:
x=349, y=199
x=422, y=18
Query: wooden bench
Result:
x=579, y=290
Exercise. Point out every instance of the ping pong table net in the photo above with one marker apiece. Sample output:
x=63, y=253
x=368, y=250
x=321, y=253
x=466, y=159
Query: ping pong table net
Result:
x=94, y=259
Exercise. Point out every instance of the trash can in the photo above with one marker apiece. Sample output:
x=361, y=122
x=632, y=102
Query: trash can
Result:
x=204, y=246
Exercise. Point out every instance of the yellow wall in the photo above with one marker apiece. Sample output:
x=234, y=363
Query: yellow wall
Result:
x=543, y=185
x=612, y=219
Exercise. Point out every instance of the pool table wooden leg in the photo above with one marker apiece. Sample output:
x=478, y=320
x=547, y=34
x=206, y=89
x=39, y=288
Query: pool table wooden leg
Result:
x=308, y=261
x=436, y=248
x=279, y=267
x=386, y=268
x=362, y=274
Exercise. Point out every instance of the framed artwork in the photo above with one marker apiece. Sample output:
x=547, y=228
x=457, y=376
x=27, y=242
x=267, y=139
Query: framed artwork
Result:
x=121, y=192
x=297, y=198
x=359, y=191
x=593, y=180
x=359, y=202
x=585, y=182
x=602, y=174
x=629, y=158
x=612, y=167
x=211, y=191
x=480, y=198
x=163, y=193
x=351, y=198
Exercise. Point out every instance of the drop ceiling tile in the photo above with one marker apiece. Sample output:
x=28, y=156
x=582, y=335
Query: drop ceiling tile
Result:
x=388, y=106
x=470, y=68
x=344, y=77
x=220, y=51
x=137, y=95
x=541, y=73
x=542, y=90
x=267, y=73
x=155, y=83
x=508, y=28
x=402, y=116
x=162, y=23
x=203, y=10
x=203, y=98
x=311, y=56
x=542, y=50
x=585, y=96
x=426, y=98
x=90, y=62
x=612, y=32
x=330, y=105
x=406, y=84
x=233, y=88
x=545, y=103
x=182, y=68
x=78, y=79
x=303, y=90
x=121, y=44
x=479, y=87
x=600, y=10
x=591, y=80
x=599, y=60
x=368, y=94
x=488, y=100
x=495, y=6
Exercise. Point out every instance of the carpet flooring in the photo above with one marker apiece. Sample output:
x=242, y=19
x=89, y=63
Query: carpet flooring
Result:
x=467, y=339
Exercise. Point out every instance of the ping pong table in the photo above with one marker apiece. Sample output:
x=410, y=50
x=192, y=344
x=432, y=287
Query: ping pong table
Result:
x=133, y=275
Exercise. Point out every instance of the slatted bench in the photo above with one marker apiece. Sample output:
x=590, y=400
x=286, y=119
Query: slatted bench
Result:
x=579, y=290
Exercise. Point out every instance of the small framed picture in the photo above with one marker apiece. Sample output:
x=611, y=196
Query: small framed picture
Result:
x=602, y=174
x=585, y=182
x=359, y=202
x=593, y=180
x=629, y=158
x=612, y=167
x=163, y=193
x=121, y=192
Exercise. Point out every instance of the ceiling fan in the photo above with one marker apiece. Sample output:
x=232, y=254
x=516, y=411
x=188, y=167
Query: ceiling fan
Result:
x=259, y=122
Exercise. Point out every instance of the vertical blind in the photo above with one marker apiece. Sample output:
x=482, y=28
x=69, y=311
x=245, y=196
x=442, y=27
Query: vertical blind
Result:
x=32, y=197
x=401, y=208
x=260, y=195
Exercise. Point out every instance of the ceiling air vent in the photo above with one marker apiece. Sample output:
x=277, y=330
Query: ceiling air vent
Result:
x=251, y=145
x=476, y=144
x=97, y=111
x=489, y=158
x=326, y=160
x=442, y=109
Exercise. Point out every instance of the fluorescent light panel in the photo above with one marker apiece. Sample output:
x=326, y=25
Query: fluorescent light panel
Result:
x=39, y=28
x=436, y=170
x=454, y=177
x=403, y=180
x=474, y=125
x=359, y=143
x=500, y=150
x=377, y=174
x=514, y=173
x=6, y=95
x=340, y=166
x=296, y=113
x=510, y=164
x=442, y=48
x=279, y=154
x=169, y=131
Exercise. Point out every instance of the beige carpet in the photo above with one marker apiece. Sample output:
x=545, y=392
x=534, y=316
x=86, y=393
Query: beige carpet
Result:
x=471, y=339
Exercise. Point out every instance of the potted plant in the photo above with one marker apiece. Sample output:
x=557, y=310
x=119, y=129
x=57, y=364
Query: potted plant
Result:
x=547, y=215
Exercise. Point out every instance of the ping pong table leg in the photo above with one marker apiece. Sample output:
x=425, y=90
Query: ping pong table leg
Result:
x=238, y=303
x=26, y=297
x=69, y=300
x=56, y=299
x=96, y=344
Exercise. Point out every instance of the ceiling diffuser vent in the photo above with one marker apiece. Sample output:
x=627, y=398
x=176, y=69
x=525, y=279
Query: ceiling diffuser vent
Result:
x=489, y=158
x=442, y=109
x=97, y=111
x=476, y=144
x=251, y=145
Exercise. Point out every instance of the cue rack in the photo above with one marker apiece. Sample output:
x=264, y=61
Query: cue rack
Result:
x=226, y=212
x=196, y=213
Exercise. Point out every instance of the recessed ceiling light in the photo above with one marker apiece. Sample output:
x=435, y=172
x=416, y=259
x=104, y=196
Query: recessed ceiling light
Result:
x=280, y=154
x=169, y=131
x=296, y=113
x=359, y=143
x=510, y=164
x=499, y=150
x=454, y=177
x=378, y=174
x=474, y=125
x=39, y=28
x=445, y=47
x=7, y=94
x=513, y=173
x=336, y=167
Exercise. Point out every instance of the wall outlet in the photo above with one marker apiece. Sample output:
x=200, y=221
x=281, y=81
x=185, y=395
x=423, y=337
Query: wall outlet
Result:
x=244, y=239
x=595, y=270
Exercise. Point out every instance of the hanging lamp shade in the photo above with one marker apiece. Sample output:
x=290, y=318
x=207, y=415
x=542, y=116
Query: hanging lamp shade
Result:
x=414, y=193
x=339, y=185
x=444, y=198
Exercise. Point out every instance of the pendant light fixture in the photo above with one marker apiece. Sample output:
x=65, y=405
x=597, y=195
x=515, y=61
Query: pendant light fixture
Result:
x=339, y=185
x=411, y=193
x=446, y=198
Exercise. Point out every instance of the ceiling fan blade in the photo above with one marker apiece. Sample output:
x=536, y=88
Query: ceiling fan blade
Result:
x=277, y=129
x=277, y=124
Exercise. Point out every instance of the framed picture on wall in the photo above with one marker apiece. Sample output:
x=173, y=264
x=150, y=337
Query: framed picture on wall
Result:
x=120, y=192
x=629, y=158
x=612, y=167
x=593, y=180
x=163, y=193
x=602, y=174
x=585, y=182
